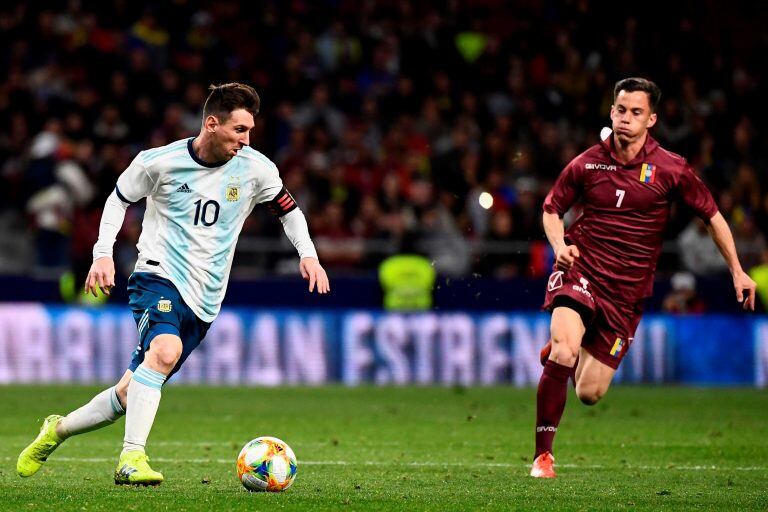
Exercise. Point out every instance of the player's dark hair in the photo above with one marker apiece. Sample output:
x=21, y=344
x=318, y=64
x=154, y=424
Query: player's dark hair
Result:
x=633, y=84
x=225, y=98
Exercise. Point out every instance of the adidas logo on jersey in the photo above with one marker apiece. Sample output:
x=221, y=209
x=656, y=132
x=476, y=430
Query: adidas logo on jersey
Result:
x=184, y=188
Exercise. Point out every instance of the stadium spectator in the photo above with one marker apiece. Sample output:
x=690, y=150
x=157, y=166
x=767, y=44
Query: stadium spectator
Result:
x=466, y=94
x=682, y=298
x=698, y=252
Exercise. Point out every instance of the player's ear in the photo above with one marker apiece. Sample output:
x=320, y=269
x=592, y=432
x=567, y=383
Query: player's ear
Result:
x=651, y=120
x=613, y=111
x=211, y=123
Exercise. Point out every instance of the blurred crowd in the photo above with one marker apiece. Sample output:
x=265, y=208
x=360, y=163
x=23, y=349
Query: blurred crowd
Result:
x=387, y=119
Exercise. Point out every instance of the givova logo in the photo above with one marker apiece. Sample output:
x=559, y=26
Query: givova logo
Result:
x=599, y=167
x=583, y=287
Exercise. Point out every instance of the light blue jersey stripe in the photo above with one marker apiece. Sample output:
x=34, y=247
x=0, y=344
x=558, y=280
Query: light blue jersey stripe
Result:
x=261, y=157
x=152, y=158
x=154, y=153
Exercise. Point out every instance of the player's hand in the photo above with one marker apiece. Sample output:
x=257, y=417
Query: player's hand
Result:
x=743, y=283
x=565, y=256
x=101, y=276
x=312, y=271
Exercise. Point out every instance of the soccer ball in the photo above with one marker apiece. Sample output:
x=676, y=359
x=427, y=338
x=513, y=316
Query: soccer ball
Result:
x=266, y=464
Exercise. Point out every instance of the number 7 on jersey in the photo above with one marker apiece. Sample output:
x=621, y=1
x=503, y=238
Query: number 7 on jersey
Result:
x=620, y=194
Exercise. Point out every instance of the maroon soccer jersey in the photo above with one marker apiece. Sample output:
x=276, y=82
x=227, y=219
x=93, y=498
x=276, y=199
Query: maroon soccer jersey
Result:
x=625, y=210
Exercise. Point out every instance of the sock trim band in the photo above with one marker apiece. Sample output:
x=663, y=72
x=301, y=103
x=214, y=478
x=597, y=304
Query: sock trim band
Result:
x=149, y=377
x=117, y=408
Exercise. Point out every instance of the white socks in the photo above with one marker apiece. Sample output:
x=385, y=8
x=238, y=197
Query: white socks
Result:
x=143, y=400
x=105, y=408
x=102, y=410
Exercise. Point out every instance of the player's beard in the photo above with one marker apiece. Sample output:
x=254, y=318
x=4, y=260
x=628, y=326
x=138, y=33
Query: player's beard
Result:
x=227, y=153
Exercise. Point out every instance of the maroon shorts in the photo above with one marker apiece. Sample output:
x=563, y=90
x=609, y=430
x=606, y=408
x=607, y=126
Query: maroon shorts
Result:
x=610, y=323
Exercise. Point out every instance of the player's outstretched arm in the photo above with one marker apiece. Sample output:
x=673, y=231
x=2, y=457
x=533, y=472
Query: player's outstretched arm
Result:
x=312, y=271
x=721, y=234
x=565, y=255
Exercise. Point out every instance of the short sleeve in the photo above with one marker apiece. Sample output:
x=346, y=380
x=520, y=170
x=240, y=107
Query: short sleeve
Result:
x=695, y=194
x=134, y=183
x=268, y=185
x=566, y=190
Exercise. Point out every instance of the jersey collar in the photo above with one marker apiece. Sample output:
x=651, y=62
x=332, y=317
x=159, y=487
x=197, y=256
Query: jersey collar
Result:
x=649, y=147
x=197, y=160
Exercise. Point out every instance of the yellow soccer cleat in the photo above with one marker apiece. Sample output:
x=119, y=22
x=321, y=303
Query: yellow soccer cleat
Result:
x=133, y=469
x=38, y=451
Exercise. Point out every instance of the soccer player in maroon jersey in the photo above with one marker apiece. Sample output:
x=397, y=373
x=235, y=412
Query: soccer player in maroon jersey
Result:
x=605, y=261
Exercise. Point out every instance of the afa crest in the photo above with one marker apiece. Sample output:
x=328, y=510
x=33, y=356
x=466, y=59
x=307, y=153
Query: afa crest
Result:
x=164, y=306
x=233, y=190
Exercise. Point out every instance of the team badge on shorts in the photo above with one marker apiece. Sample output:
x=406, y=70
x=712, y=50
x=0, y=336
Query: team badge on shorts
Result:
x=555, y=281
x=618, y=345
x=164, y=306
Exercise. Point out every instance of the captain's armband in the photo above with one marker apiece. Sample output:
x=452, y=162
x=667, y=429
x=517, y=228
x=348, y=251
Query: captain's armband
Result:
x=282, y=203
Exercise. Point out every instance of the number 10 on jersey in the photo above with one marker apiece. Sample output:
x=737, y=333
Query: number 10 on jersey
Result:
x=204, y=212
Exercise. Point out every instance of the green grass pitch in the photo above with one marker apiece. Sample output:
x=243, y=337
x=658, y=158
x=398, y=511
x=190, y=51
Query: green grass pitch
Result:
x=641, y=448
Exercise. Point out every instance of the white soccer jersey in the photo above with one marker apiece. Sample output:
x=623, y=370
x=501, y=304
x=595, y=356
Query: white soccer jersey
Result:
x=195, y=212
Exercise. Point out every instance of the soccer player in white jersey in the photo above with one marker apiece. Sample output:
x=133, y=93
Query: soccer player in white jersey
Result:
x=199, y=192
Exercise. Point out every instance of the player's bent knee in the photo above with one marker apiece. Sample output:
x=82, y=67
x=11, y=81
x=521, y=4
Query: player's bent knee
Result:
x=565, y=349
x=163, y=355
x=163, y=360
x=589, y=395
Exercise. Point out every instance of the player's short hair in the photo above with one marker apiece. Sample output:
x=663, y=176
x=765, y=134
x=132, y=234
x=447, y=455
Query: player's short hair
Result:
x=633, y=84
x=225, y=98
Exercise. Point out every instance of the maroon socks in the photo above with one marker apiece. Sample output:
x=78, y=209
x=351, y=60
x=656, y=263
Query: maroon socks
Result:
x=550, y=403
